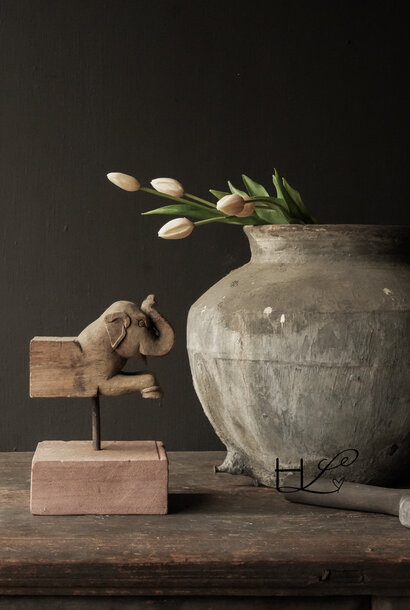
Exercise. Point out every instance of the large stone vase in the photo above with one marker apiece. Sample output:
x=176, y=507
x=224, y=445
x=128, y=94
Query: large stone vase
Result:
x=304, y=352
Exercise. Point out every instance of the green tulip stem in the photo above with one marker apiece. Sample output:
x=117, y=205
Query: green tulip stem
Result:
x=209, y=220
x=195, y=198
x=146, y=189
x=258, y=198
x=265, y=200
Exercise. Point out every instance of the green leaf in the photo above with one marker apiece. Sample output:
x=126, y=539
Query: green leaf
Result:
x=275, y=200
x=283, y=194
x=254, y=189
x=277, y=181
x=295, y=195
x=272, y=217
x=235, y=190
x=218, y=194
x=184, y=209
x=248, y=220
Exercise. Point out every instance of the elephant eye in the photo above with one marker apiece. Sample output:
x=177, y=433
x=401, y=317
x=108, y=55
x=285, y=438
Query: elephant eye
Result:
x=141, y=322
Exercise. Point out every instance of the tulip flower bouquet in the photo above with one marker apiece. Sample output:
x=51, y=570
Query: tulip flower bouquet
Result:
x=253, y=207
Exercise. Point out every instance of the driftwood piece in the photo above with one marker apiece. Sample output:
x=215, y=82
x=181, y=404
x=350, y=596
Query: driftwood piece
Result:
x=91, y=364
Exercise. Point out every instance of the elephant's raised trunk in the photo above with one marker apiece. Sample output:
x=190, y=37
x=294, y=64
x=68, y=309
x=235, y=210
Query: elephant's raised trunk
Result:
x=161, y=337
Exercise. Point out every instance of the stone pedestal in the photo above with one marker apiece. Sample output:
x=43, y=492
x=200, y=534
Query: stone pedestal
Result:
x=125, y=477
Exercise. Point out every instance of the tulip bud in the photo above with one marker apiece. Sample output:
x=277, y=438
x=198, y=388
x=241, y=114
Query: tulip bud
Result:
x=128, y=183
x=168, y=186
x=248, y=209
x=231, y=205
x=178, y=228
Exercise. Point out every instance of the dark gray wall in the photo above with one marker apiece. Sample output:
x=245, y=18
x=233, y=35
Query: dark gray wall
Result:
x=200, y=91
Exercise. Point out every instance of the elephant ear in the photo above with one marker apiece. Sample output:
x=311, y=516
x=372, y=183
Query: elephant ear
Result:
x=116, y=324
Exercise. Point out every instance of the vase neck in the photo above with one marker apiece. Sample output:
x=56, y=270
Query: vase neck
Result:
x=303, y=243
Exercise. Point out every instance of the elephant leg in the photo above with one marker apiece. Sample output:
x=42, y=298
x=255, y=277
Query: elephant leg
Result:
x=128, y=383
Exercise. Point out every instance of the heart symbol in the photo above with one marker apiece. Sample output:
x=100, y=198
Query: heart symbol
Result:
x=338, y=483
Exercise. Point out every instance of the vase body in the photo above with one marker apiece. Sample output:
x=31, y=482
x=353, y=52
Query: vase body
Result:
x=304, y=352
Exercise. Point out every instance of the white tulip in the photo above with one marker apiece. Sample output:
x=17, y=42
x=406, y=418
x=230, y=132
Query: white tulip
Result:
x=125, y=182
x=248, y=209
x=168, y=186
x=178, y=228
x=231, y=205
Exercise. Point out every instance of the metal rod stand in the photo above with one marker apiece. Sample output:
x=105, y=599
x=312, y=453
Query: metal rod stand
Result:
x=96, y=423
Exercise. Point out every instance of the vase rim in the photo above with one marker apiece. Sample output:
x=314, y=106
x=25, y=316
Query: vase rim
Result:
x=303, y=242
x=326, y=228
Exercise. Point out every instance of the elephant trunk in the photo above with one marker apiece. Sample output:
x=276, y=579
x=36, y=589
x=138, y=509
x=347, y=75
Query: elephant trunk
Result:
x=161, y=336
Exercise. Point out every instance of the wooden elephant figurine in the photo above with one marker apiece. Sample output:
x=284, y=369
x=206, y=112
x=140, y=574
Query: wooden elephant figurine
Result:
x=92, y=363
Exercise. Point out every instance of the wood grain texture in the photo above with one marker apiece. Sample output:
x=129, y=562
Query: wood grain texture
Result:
x=125, y=477
x=223, y=536
x=187, y=603
x=57, y=368
x=390, y=603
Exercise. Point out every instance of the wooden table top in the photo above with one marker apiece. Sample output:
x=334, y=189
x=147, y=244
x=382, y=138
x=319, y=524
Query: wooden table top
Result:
x=223, y=536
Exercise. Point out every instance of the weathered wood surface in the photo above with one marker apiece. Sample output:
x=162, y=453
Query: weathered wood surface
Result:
x=354, y=496
x=57, y=368
x=193, y=603
x=92, y=363
x=222, y=536
x=125, y=477
x=60, y=367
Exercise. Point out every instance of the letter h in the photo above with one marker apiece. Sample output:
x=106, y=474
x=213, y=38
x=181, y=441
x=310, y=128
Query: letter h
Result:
x=278, y=470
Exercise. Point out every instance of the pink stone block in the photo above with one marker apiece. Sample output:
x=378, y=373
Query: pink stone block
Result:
x=125, y=477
